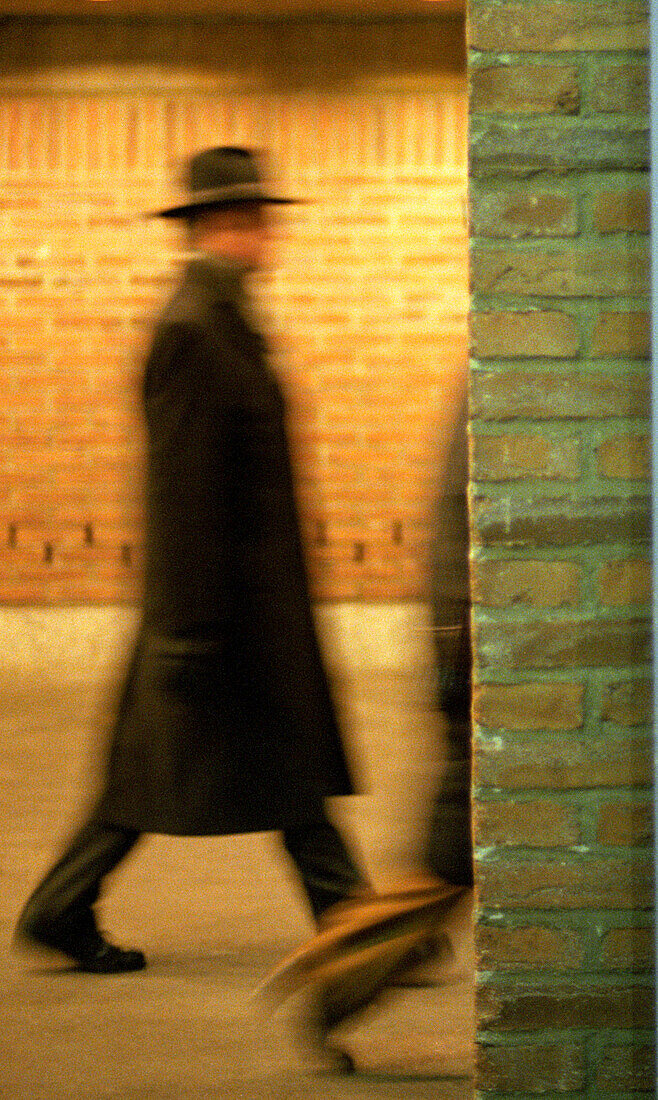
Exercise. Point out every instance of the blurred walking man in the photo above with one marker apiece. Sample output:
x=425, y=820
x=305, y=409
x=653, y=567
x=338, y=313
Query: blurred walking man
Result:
x=226, y=724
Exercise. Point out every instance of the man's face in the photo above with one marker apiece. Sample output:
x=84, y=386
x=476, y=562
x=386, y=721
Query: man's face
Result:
x=242, y=232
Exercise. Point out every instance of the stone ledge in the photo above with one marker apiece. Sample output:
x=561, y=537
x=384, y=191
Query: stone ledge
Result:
x=86, y=643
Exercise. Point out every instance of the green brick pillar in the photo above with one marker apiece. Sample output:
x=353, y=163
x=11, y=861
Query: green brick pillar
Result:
x=560, y=528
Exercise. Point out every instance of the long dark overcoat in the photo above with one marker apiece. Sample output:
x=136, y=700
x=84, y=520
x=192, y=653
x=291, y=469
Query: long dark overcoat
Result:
x=226, y=723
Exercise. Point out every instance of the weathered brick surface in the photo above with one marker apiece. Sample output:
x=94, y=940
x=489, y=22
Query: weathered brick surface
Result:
x=630, y=948
x=619, y=89
x=558, y=521
x=560, y=26
x=625, y=823
x=625, y=582
x=526, y=89
x=527, y=583
x=566, y=883
x=627, y=1070
x=547, y=271
x=515, y=762
x=627, y=702
x=509, y=457
x=622, y=211
x=559, y=404
x=626, y=456
x=529, y=706
x=564, y=643
x=621, y=334
x=521, y=1068
x=529, y=824
x=529, y=947
x=514, y=212
x=518, y=334
x=556, y=393
x=518, y=149
x=566, y=1005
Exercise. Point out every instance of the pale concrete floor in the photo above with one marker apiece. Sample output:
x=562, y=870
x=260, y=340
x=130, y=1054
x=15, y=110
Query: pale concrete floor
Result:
x=213, y=916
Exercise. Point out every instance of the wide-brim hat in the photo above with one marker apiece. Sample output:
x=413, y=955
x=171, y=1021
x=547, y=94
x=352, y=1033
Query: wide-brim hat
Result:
x=221, y=177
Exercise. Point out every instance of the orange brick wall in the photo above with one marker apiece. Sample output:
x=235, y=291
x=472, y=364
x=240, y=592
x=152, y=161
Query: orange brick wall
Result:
x=367, y=309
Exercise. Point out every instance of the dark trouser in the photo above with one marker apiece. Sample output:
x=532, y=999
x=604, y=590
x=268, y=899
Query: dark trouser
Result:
x=449, y=847
x=69, y=891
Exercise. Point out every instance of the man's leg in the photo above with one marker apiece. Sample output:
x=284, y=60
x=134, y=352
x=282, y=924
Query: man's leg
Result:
x=350, y=961
x=60, y=915
x=328, y=872
x=449, y=846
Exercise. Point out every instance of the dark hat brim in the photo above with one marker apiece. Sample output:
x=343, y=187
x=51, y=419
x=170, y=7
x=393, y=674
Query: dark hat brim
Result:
x=222, y=196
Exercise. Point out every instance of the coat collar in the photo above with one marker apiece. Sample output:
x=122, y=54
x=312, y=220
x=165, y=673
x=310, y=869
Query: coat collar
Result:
x=222, y=278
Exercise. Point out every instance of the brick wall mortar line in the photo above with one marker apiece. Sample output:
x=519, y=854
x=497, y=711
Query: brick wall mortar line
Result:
x=600, y=921
x=583, y=797
x=593, y=428
x=488, y=616
x=601, y=982
x=501, y=856
x=583, y=308
x=492, y=738
x=505, y=675
x=535, y=490
x=553, y=57
x=615, y=367
x=568, y=1035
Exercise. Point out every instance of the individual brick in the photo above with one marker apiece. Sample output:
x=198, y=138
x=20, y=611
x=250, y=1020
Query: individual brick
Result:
x=549, y=271
x=557, y=521
x=539, y=823
x=567, y=643
x=523, y=1067
x=628, y=948
x=624, y=823
x=508, y=334
x=548, y=394
x=622, y=211
x=625, y=456
x=624, y=334
x=526, y=583
x=563, y=762
x=566, y=883
x=537, y=1006
x=619, y=88
x=529, y=706
x=625, y=582
x=627, y=702
x=525, y=89
x=520, y=455
x=626, y=1070
x=528, y=212
x=528, y=947
x=510, y=149
x=562, y=25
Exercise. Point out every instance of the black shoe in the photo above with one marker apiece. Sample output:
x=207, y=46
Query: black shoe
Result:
x=106, y=958
x=90, y=952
